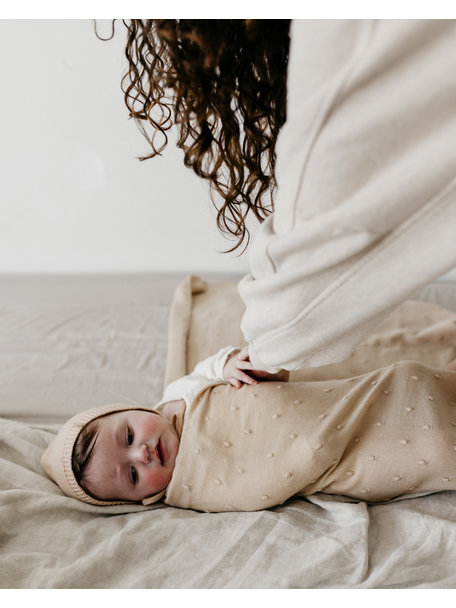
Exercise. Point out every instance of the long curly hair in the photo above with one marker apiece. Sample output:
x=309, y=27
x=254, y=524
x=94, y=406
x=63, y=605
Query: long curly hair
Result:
x=223, y=83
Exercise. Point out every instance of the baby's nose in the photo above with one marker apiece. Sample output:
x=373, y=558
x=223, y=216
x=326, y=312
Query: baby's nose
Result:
x=143, y=454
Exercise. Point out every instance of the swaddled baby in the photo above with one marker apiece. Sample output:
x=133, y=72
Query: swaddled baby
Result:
x=384, y=434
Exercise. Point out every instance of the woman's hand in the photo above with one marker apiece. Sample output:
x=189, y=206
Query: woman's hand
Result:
x=235, y=370
x=238, y=371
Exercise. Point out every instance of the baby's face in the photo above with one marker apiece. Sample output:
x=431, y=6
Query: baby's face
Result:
x=133, y=456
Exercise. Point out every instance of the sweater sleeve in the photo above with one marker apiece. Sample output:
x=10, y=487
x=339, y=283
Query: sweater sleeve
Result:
x=205, y=372
x=366, y=200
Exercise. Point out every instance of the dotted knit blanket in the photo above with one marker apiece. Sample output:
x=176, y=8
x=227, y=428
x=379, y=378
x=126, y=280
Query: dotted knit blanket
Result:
x=374, y=437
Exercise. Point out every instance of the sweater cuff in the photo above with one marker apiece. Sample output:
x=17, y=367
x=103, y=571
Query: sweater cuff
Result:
x=259, y=365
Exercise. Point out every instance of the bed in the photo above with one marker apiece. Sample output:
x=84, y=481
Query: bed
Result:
x=69, y=343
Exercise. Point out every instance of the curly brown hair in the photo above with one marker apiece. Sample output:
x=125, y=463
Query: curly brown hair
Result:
x=223, y=82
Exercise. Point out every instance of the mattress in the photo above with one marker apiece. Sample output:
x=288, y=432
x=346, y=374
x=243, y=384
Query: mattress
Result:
x=68, y=343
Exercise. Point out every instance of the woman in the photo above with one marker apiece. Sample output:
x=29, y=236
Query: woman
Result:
x=361, y=117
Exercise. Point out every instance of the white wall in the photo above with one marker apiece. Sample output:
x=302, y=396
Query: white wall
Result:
x=73, y=196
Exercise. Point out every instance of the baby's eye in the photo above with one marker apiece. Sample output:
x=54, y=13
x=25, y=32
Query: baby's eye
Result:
x=129, y=436
x=134, y=475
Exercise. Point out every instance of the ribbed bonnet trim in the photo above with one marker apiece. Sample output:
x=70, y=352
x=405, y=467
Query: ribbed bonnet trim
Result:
x=57, y=459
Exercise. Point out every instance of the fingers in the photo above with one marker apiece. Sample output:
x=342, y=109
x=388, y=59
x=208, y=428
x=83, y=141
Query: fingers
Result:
x=244, y=365
x=246, y=379
x=238, y=378
x=243, y=362
x=235, y=383
x=235, y=367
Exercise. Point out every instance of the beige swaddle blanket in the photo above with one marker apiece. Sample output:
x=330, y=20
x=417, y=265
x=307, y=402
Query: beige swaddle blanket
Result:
x=383, y=434
x=376, y=426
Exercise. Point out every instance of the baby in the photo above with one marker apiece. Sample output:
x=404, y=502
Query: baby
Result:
x=131, y=455
x=381, y=435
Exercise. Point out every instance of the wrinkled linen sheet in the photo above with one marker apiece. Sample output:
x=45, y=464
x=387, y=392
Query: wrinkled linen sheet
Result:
x=49, y=540
x=106, y=342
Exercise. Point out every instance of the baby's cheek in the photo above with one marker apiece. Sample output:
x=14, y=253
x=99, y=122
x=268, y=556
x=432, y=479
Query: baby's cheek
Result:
x=156, y=480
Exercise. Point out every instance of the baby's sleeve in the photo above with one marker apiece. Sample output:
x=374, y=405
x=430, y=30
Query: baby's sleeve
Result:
x=205, y=372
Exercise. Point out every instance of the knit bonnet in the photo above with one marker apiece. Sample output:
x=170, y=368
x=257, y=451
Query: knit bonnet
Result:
x=57, y=459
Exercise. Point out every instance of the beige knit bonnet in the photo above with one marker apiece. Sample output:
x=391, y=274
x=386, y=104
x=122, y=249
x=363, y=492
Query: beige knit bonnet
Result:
x=57, y=459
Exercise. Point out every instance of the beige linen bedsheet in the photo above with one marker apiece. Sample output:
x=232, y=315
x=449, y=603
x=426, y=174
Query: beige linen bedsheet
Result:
x=119, y=346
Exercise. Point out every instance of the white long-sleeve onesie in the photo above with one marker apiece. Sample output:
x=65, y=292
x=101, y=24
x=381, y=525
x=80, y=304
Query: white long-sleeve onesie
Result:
x=365, y=212
x=205, y=372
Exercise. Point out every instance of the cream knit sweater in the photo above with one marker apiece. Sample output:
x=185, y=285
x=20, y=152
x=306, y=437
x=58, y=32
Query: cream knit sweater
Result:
x=365, y=212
